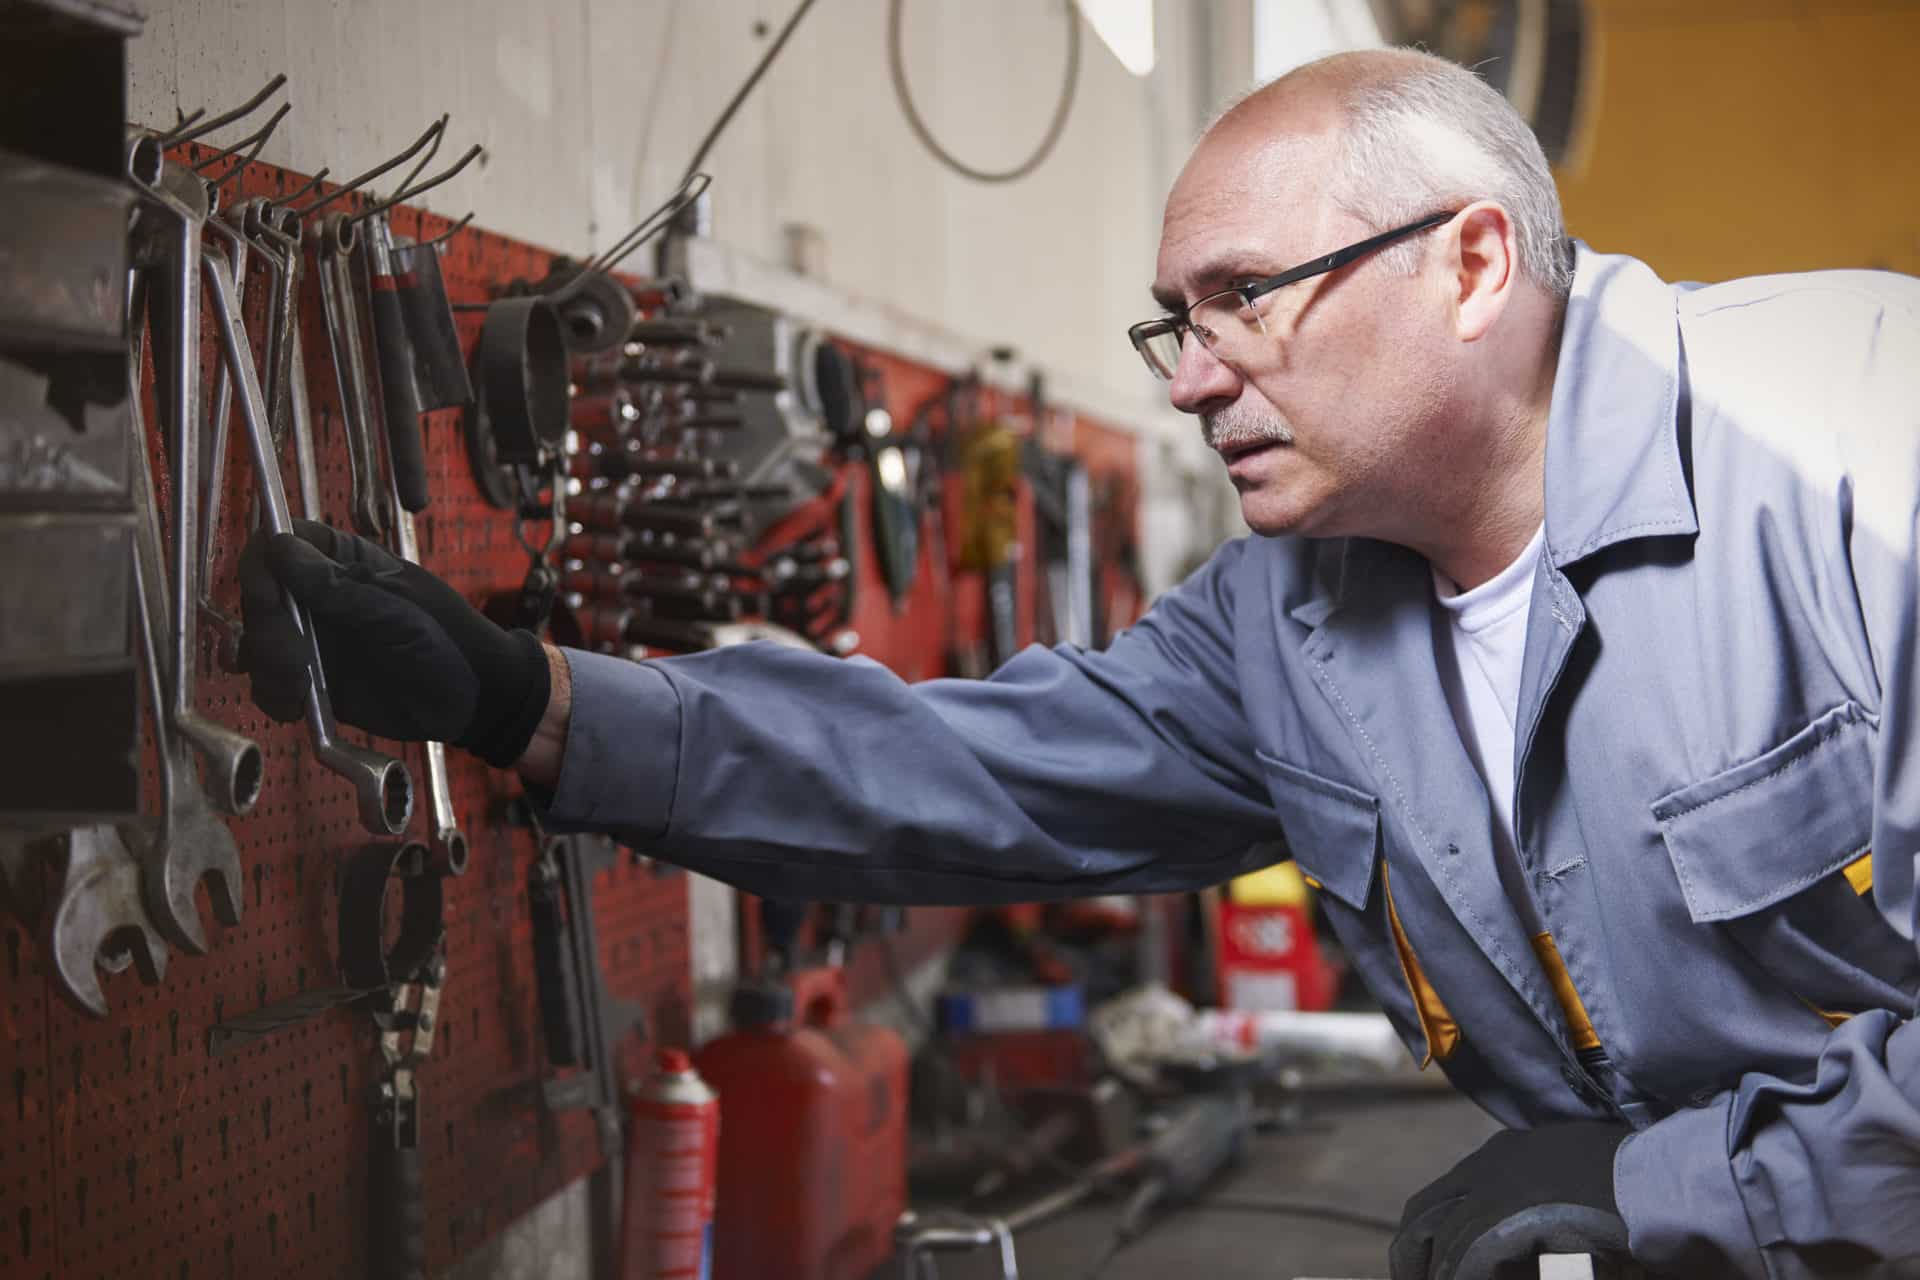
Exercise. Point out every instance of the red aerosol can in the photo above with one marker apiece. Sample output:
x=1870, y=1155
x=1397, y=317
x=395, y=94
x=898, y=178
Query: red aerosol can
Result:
x=673, y=1157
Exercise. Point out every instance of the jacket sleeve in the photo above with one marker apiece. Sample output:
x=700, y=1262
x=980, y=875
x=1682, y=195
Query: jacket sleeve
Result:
x=1821, y=1177
x=1068, y=773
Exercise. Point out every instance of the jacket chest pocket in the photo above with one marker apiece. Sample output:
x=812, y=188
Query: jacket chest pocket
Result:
x=1775, y=853
x=1333, y=833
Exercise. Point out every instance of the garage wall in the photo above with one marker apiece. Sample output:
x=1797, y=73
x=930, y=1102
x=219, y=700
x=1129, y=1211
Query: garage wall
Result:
x=1739, y=137
x=591, y=109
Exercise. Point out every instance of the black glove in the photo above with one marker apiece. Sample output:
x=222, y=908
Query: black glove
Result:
x=1523, y=1193
x=406, y=656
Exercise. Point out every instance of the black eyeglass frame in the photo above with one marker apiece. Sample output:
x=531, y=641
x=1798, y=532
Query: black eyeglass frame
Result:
x=1179, y=321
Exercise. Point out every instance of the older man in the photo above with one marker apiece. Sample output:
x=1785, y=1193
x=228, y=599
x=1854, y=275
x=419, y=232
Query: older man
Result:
x=1576, y=665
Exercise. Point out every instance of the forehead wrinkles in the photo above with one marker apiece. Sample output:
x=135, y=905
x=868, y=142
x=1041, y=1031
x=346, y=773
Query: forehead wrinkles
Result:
x=1264, y=196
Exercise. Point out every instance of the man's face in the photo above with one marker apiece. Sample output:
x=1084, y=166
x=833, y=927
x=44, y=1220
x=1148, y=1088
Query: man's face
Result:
x=1315, y=412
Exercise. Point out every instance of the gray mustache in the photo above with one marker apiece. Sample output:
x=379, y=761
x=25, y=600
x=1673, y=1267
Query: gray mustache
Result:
x=1235, y=430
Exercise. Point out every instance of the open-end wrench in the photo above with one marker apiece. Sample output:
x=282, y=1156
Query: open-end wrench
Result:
x=98, y=908
x=186, y=842
x=234, y=765
x=99, y=917
x=333, y=251
x=381, y=783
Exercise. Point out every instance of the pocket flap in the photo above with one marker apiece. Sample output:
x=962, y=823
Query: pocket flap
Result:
x=1332, y=830
x=1764, y=830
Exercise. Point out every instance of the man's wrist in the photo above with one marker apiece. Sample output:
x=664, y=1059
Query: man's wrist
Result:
x=539, y=764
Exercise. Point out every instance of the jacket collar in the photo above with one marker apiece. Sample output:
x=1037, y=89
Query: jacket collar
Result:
x=1614, y=469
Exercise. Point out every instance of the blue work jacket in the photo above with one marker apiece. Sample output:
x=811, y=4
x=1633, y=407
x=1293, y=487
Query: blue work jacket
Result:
x=1717, y=793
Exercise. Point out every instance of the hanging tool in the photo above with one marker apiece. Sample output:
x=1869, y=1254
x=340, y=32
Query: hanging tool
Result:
x=375, y=953
x=234, y=765
x=381, y=783
x=186, y=843
x=333, y=249
x=438, y=362
x=396, y=1188
x=399, y=385
x=583, y=1022
x=407, y=470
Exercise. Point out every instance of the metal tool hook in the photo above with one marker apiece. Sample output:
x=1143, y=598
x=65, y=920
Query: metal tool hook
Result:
x=420, y=165
x=446, y=235
x=245, y=109
x=408, y=193
x=691, y=188
x=252, y=143
x=385, y=166
x=300, y=190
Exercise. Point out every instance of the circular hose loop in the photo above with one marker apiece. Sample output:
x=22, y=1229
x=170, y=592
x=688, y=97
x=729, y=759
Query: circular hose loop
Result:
x=896, y=63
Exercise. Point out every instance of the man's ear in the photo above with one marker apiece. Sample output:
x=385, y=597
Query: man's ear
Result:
x=1484, y=267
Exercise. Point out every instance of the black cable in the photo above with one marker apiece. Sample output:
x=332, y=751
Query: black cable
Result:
x=1300, y=1209
x=896, y=64
x=766, y=60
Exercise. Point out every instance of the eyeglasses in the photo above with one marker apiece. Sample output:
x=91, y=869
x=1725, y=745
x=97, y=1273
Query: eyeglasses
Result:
x=1227, y=321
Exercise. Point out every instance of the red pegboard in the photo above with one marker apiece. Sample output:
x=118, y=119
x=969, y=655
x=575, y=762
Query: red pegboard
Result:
x=129, y=1149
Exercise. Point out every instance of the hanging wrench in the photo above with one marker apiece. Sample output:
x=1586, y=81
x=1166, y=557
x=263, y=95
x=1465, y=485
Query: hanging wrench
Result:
x=234, y=765
x=449, y=845
x=185, y=843
x=99, y=907
x=384, y=789
x=276, y=236
x=334, y=252
x=213, y=459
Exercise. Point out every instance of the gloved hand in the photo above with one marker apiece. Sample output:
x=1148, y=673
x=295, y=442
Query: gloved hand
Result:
x=406, y=656
x=1523, y=1193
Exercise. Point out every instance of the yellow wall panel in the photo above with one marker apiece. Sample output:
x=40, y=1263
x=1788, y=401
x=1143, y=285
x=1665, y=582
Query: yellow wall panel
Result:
x=1737, y=139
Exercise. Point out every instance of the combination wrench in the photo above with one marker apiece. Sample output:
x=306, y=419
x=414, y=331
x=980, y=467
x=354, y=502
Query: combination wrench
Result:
x=234, y=765
x=276, y=237
x=381, y=783
x=186, y=842
x=333, y=250
x=448, y=845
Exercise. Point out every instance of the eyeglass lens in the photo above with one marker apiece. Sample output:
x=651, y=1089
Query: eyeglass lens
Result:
x=1224, y=322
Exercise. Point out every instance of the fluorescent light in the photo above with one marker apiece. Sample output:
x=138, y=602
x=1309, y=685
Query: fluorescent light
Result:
x=1125, y=27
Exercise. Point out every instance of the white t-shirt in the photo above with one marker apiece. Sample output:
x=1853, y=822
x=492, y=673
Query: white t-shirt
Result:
x=1480, y=640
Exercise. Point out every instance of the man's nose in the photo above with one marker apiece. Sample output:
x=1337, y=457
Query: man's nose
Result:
x=1202, y=382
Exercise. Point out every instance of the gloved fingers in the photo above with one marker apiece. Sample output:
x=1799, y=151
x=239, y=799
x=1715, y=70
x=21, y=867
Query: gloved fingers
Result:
x=327, y=590
x=272, y=651
x=1510, y=1245
x=346, y=548
x=1411, y=1256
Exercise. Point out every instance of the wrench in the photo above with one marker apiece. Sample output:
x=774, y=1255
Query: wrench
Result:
x=99, y=908
x=449, y=845
x=234, y=765
x=277, y=236
x=186, y=843
x=384, y=789
x=334, y=251
x=214, y=457
x=99, y=917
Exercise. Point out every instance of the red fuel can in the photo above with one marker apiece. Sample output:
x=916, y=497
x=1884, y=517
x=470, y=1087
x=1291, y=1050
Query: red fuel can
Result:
x=813, y=1159
x=673, y=1137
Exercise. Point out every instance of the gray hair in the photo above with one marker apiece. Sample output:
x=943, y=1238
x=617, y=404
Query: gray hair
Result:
x=1432, y=135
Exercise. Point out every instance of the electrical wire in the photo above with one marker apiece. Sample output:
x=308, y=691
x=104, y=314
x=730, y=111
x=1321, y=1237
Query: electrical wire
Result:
x=740, y=95
x=896, y=65
x=1299, y=1209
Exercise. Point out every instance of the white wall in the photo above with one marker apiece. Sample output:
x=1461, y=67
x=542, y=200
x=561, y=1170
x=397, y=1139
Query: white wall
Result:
x=590, y=110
